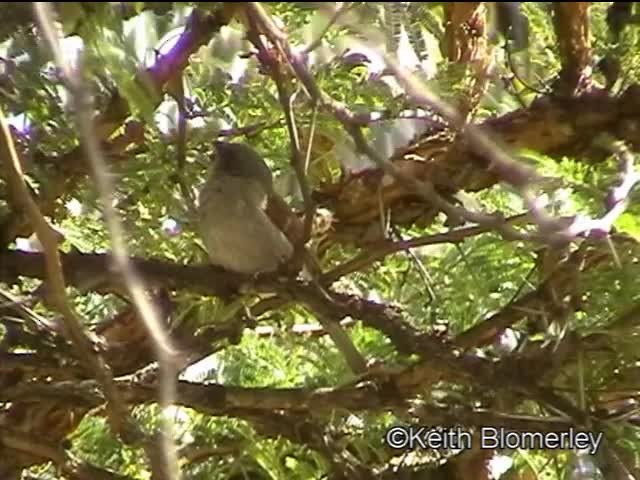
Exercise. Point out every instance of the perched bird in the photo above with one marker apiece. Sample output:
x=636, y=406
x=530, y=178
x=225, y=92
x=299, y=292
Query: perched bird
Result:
x=237, y=233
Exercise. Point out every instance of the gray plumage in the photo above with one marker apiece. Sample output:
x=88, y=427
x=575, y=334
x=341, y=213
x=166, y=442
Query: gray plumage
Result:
x=236, y=232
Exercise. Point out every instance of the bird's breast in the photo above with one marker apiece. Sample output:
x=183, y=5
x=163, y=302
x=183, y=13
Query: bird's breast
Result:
x=237, y=234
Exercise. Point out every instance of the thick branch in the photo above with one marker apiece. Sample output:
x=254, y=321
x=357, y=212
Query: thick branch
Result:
x=549, y=126
x=571, y=21
x=23, y=445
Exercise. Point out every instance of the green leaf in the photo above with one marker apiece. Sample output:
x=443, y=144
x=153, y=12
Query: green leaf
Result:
x=630, y=224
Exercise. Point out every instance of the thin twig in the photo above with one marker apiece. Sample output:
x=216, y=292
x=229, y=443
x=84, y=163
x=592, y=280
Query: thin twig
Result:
x=343, y=342
x=310, y=208
x=376, y=253
x=335, y=16
x=286, y=99
x=181, y=152
x=419, y=264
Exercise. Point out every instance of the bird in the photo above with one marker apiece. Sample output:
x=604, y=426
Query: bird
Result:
x=240, y=236
x=237, y=233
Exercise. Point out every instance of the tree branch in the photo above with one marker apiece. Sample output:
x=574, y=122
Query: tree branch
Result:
x=571, y=22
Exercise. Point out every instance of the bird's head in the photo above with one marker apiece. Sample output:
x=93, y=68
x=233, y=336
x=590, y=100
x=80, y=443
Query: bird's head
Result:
x=241, y=161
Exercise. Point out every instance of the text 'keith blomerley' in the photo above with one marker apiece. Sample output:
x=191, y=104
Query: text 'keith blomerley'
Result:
x=411, y=437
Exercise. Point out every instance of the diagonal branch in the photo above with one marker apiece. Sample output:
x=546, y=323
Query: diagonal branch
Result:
x=343, y=342
x=269, y=60
x=56, y=282
x=383, y=249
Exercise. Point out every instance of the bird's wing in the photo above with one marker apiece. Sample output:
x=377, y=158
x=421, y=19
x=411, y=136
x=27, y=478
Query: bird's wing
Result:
x=237, y=233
